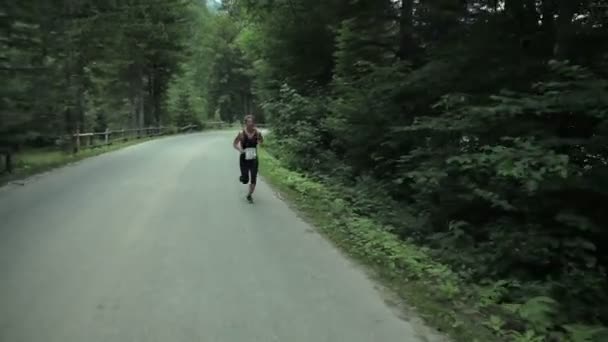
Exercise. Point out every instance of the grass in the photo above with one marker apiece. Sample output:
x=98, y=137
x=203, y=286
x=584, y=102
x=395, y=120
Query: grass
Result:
x=432, y=289
x=31, y=162
x=34, y=161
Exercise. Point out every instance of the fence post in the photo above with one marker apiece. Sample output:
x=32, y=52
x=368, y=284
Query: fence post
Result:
x=9, y=161
x=106, y=136
x=77, y=140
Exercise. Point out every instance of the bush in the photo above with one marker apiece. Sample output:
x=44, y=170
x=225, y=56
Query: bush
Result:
x=506, y=189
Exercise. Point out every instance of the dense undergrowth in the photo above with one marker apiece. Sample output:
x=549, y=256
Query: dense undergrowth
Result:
x=490, y=189
x=366, y=221
x=432, y=288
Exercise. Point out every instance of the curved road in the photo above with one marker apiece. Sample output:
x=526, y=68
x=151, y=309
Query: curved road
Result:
x=155, y=242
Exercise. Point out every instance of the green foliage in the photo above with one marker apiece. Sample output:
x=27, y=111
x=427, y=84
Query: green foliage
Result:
x=426, y=283
x=469, y=136
x=461, y=127
x=228, y=88
x=89, y=64
x=186, y=100
x=300, y=140
x=586, y=333
x=539, y=312
x=527, y=336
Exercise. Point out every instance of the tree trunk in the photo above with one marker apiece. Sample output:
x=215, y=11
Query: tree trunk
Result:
x=67, y=114
x=406, y=41
x=246, y=108
x=563, y=29
x=142, y=116
x=531, y=16
x=9, y=162
x=515, y=8
x=515, y=11
x=80, y=94
x=157, y=95
x=548, y=26
x=153, y=119
x=134, y=111
x=138, y=97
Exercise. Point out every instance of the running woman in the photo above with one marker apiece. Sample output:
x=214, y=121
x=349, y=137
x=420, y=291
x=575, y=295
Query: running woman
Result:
x=246, y=142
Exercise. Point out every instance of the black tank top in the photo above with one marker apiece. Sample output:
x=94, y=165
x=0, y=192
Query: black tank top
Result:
x=250, y=142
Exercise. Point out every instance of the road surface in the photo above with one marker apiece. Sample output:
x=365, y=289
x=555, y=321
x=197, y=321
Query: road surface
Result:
x=156, y=242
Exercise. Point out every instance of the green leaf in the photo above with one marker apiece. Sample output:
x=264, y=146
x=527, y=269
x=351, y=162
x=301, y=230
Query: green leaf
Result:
x=539, y=312
x=585, y=333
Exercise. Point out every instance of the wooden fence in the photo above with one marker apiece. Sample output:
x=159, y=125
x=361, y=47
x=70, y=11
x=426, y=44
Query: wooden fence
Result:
x=7, y=154
x=95, y=139
x=83, y=140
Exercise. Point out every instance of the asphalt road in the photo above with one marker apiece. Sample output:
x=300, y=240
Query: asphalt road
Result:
x=156, y=242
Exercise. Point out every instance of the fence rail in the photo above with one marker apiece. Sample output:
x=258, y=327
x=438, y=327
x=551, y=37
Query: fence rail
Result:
x=83, y=140
x=94, y=139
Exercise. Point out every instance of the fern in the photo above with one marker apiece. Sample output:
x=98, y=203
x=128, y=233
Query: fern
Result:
x=527, y=336
x=586, y=333
x=539, y=312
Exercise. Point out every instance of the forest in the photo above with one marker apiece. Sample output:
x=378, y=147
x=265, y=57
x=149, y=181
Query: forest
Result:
x=92, y=65
x=475, y=129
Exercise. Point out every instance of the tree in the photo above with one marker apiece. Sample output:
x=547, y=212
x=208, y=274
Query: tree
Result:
x=74, y=65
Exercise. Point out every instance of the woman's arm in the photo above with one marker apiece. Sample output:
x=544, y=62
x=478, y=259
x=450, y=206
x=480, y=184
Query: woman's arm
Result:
x=237, y=142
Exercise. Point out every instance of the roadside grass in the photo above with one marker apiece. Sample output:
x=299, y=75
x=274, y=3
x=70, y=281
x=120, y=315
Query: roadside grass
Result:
x=432, y=289
x=33, y=161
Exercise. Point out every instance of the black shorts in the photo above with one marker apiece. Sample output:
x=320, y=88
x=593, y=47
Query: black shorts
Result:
x=249, y=170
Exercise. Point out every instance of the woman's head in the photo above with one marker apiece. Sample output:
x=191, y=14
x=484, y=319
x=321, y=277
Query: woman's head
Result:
x=249, y=122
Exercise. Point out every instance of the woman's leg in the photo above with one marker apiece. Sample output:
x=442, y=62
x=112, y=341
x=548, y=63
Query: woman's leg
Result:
x=254, y=176
x=244, y=171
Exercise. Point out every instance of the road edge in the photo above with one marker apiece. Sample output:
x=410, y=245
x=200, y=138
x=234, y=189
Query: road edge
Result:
x=21, y=176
